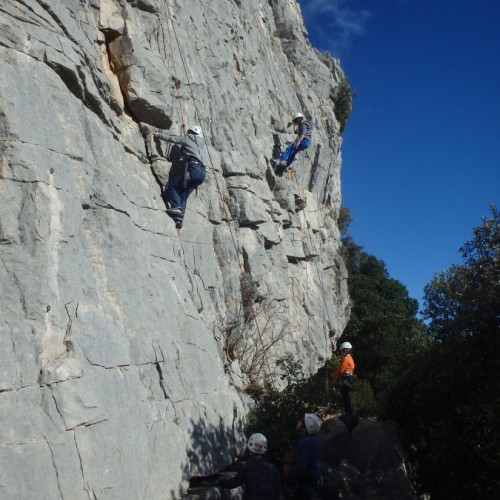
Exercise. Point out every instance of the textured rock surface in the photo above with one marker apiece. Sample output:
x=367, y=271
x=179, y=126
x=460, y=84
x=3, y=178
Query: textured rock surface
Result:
x=125, y=346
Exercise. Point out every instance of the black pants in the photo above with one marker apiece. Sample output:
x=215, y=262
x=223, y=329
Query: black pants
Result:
x=303, y=487
x=346, y=398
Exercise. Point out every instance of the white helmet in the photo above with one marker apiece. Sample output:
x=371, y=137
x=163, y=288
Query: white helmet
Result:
x=345, y=345
x=312, y=423
x=196, y=129
x=297, y=116
x=257, y=444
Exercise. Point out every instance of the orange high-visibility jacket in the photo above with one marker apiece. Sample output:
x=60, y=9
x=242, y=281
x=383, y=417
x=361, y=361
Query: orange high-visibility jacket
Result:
x=347, y=365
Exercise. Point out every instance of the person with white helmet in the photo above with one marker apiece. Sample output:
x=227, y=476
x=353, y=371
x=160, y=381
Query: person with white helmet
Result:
x=303, y=129
x=303, y=469
x=188, y=170
x=346, y=370
x=260, y=478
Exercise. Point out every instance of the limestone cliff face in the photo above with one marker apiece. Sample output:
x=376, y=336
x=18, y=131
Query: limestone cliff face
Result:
x=125, y=347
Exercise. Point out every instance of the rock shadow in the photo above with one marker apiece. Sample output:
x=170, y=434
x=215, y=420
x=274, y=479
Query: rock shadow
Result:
x=213, y=451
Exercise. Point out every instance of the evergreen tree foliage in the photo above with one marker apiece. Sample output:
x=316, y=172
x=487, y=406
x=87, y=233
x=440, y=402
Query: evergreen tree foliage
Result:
x=451, y=412
x=439, y=381
x=464, y=299
x=277, y=411
x=343, y=99
x=383, y=328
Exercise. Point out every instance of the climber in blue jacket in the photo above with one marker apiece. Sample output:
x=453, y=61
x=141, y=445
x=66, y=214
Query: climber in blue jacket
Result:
x=303, y=469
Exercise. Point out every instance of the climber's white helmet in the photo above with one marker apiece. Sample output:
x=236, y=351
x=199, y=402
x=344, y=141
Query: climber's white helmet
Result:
x=345, y=345
x=312, y=423
x=298, y=116
x=257, y=444
x=195, y=129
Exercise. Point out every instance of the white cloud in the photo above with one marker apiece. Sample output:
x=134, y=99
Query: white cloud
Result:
x=334, y=22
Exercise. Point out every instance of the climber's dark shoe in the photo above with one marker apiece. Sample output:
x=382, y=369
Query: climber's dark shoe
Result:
x=280, y=168
x=175, y=212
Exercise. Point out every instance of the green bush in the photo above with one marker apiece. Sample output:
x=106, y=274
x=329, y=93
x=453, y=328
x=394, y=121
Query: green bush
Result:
x=450, y=416
x=363, y=400
x=277, y=412
x=343, y=102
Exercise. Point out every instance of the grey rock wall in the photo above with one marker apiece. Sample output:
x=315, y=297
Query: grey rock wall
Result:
x=126, y=347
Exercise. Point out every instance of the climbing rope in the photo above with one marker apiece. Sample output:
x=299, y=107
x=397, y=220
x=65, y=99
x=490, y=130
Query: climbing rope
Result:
x=267, y=53
x=270, y=58
x=320, y=276
x=223, y=200
x=176, y=81
x=299, y=188
x=271, y=62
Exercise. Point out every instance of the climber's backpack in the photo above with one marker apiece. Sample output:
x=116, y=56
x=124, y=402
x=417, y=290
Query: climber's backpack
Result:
x=174, y=153
x=195, y=174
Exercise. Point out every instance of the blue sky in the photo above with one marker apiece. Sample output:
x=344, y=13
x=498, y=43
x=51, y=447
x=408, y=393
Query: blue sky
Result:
x=421, y=151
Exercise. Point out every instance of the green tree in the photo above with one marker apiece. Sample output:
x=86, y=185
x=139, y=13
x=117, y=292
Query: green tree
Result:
x=465, y=299
x=344, y=220
x=383, y=327
x=277, y=411
x=343, y=98
x=451, y=413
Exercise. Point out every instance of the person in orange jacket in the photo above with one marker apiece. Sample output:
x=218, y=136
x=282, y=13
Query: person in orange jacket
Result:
x=346, y=370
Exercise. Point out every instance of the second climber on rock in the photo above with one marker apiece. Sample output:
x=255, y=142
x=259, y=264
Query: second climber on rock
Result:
x=303, y=129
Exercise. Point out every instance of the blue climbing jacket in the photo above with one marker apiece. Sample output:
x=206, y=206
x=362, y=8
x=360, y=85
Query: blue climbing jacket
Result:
x=307, y=454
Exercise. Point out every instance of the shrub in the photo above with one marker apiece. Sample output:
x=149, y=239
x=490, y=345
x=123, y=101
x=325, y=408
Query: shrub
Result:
x=362, y=399
x=342, y=99
x=277, y=412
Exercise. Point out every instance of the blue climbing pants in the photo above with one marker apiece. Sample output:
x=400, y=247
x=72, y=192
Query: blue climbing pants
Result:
x=289, y=154
x=182, y=181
